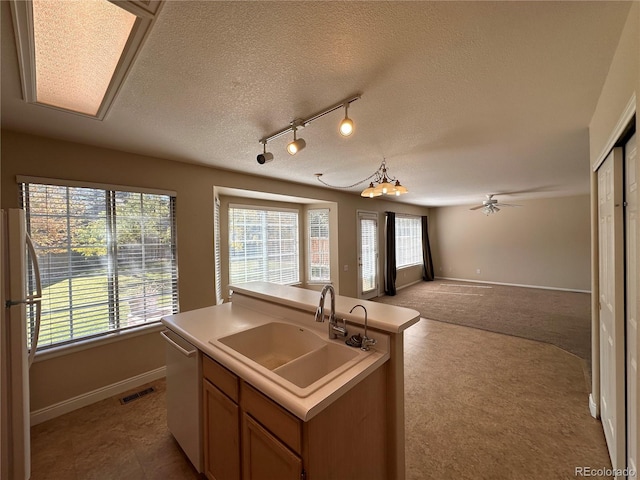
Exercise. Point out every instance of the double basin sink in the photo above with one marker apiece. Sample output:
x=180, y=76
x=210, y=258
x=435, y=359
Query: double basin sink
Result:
x=297, y=358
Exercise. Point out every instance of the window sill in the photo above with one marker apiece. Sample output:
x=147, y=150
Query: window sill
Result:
x=81, y=345
x=405, y=267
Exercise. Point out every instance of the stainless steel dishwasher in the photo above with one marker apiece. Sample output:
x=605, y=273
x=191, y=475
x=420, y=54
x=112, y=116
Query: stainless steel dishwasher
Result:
x=184, y=396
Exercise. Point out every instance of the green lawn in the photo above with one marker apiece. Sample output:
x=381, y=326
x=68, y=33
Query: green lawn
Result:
x=90, y=314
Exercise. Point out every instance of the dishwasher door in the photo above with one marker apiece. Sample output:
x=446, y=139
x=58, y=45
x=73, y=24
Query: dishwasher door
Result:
x=184, y=396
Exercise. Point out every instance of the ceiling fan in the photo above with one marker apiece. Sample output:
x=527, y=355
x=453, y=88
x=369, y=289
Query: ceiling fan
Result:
x=491, y=205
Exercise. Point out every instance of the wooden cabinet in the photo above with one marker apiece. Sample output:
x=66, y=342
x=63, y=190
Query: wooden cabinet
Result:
x=250, y=437
x=222, y=437
x=221, y=422
x=264, y=457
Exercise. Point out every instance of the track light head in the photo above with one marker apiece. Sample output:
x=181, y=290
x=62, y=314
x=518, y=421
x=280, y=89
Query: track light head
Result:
x=264, y=158
x=297, y=144
x=346, y=125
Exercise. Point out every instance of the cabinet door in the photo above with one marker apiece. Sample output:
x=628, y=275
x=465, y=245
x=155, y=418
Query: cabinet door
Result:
x=264, y=457
x=221, y=436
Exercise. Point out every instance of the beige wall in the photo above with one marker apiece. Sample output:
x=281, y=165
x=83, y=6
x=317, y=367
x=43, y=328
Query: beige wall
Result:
x=543, y=243
x=619, y=87
x=64, y=377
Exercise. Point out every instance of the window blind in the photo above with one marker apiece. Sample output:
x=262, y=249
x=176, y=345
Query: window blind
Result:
x=369, y=249
x=263, y=245
x=216, y=250
x=408, y=241
x=319, y=245
x=107, y=259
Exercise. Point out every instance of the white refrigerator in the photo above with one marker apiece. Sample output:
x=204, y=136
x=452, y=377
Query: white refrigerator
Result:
x=15, y=356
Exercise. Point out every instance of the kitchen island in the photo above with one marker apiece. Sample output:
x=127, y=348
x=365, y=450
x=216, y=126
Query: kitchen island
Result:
x=344, y=421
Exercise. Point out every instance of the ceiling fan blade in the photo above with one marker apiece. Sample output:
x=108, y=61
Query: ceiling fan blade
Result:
x=508, y=205
x=476, y=208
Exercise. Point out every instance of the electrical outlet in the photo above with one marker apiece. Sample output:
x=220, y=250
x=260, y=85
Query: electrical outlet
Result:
x=346, y=268
x=478, y=271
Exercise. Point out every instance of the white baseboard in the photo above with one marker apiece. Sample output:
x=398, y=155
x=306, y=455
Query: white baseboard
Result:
x=409, y=284
x=66, y=406
x=514, y=285
x=593, y=408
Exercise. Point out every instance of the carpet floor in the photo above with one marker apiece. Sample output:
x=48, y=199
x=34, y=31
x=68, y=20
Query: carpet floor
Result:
x=551, y=316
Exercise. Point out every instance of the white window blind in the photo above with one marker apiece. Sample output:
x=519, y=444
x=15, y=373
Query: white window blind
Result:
x=263, y=245
x=216, y=250
x=369, y=249
x=408, y=241
x=107, y=259
x=319, y=250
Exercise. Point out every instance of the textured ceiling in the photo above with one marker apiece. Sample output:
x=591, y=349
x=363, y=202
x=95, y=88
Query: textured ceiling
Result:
x=462, y=98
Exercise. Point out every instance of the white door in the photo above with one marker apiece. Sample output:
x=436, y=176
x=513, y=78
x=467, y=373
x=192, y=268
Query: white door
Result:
x=611, y=248
x=367, y=254
x=632, y=334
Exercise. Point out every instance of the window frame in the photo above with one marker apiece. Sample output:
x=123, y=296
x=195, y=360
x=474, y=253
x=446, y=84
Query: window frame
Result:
x=309, y=238
x=122, y=325
x=419, y=260
x=263, y=208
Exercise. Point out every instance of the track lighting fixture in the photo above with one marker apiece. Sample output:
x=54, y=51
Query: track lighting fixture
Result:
x=297, y=144
x=265, y=156
x=346, y=125
x=380, y=177
x=346, y=129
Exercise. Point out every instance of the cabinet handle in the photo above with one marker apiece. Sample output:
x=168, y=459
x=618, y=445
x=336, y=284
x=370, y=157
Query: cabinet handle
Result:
x=186, y=353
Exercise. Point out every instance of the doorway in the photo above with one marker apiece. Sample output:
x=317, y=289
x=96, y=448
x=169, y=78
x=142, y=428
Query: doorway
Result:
x=367, y=254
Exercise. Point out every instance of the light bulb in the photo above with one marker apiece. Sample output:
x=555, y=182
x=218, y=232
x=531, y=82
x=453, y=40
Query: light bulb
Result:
x=346, y=127
x=295, y=146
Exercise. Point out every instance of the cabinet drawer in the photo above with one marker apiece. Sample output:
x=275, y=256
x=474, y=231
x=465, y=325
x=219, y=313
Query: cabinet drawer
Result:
x=220, y=377
x=284, y=425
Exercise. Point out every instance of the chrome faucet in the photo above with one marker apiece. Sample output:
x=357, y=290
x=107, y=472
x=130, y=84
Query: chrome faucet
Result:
x=366, y=341
x=334, y=328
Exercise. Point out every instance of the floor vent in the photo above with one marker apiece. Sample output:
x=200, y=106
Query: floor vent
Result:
x=134, y=396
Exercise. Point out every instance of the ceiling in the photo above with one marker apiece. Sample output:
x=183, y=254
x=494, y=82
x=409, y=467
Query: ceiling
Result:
x=461, y=98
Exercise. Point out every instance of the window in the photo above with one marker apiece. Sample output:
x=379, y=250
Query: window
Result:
x=263, y=245
x=408, y=241
x=107, y=259
x=216, y=250
x=319, y=245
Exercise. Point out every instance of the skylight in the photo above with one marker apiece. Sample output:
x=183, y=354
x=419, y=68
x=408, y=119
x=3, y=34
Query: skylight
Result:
x=75, y=54
x=77, y=48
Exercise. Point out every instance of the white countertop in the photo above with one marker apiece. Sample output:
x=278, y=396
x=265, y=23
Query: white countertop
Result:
x=203, y=326
x=388, y=318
